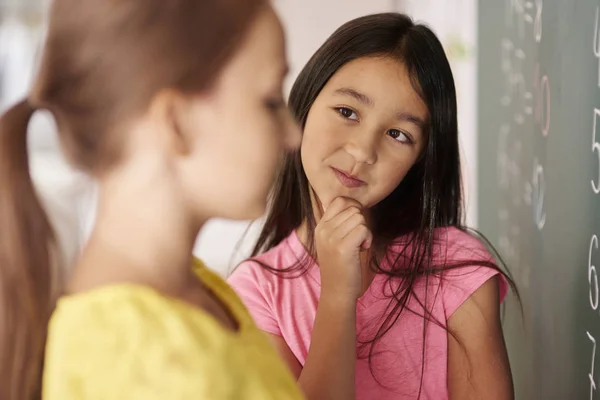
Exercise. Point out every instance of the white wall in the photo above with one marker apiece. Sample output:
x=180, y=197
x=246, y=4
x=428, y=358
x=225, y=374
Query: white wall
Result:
x=71, y=197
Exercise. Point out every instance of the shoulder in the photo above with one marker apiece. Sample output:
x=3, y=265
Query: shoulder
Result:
x=460, y=245
x=468, y=266
x=459, y=253
x=255, y=280
x=267, y=267
x=124, y=317
x=451, y=246
x=156, y=344
x=107, y=307
x=265, y=286
x=462, y=264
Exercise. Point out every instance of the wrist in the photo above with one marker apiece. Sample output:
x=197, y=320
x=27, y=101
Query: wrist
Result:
x=337, y=301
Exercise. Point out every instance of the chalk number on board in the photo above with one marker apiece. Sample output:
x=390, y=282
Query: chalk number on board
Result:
x=539, y=189
x=597, y=43
x=593, y=275
x=596, y=149
x=591, y=374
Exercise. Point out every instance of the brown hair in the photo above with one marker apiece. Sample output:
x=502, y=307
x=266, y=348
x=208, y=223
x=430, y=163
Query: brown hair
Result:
x=102, y=63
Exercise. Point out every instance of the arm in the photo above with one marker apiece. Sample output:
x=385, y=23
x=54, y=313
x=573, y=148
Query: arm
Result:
x=340, y=237
x=330, y=366
x=478, y=366
x=286, y=354
x=329, y=370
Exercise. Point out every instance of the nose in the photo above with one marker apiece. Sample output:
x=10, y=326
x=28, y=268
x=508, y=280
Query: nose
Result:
x=292, y=135
x=362, y=146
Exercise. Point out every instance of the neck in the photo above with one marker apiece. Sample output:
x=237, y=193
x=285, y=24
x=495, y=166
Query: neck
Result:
x=143, y=234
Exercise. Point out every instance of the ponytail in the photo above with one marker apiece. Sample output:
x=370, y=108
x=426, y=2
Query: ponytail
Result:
x=27, y=246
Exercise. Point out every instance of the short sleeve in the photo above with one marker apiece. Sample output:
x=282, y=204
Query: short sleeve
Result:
x=458, y=284
x=127, y=350
x=249, y=282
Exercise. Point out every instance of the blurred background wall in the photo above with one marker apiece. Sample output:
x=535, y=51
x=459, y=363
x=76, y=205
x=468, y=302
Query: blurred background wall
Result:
x=70, y=196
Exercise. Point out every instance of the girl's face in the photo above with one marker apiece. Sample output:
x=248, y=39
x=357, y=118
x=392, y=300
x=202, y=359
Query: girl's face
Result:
x=364, y=132
x=243, y=127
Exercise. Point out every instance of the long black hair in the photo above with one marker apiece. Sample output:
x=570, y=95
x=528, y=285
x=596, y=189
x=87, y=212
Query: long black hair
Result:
x=429, y=197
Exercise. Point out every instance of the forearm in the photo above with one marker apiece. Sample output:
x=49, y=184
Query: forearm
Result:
x=329, y=370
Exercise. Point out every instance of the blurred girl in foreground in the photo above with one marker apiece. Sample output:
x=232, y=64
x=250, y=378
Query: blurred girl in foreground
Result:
x=176, y=108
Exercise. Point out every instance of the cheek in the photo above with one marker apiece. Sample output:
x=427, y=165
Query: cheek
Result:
x=241, y=152
x=314, y=151
x=320, y=140
x=390, y=174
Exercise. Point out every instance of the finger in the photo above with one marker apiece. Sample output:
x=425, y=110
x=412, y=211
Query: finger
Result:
x=359, y=236
x=343, y=216
x=338, y=205
x=368, y=242
x=334, y=208
x=344, y=228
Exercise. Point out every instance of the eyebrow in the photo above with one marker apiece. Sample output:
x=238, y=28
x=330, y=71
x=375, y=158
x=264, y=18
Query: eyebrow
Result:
x=404, y=116
x=360, y=97
x=366, y=100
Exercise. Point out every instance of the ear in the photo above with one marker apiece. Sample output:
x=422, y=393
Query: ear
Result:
x=168, y=109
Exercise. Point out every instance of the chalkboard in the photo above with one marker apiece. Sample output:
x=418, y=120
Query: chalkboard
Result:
x=539, y=185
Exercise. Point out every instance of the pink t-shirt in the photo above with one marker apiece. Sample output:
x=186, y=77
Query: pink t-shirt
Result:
x=287, y=307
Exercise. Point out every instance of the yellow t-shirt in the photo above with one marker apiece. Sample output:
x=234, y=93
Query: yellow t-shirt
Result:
x=132, y=342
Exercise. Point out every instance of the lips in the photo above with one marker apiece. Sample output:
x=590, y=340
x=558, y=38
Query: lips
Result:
x=348, y=180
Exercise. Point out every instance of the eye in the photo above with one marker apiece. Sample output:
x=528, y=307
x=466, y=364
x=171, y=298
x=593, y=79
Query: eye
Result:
x=399, y=136
x=347, y=113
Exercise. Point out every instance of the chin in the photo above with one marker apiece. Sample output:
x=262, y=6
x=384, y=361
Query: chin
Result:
x=325, y=199
x=330, y=193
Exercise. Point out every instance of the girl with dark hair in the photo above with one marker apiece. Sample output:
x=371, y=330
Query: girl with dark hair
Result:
x=176, y=108
x=364, y=275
